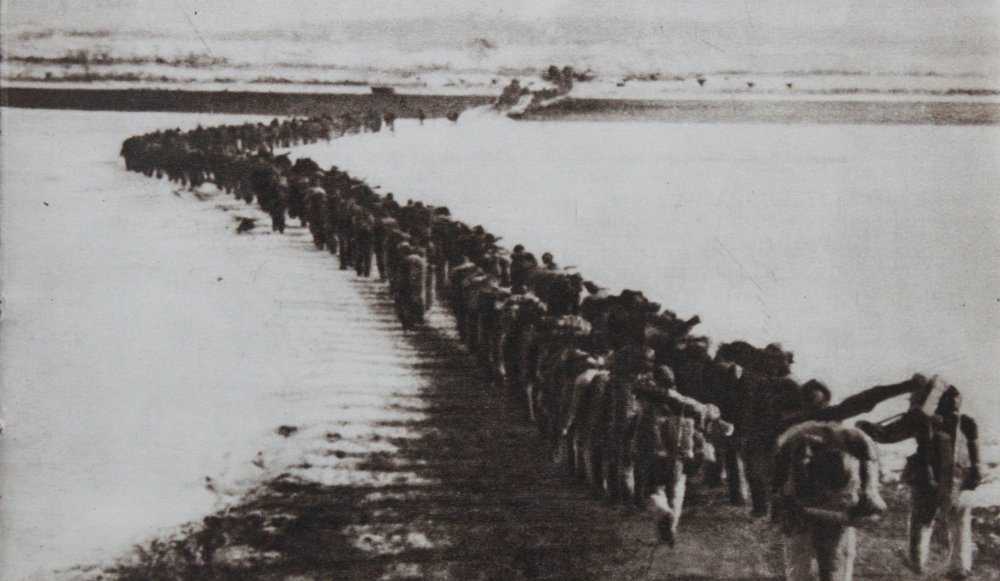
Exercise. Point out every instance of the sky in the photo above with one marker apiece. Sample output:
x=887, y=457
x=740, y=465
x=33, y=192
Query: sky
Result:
x=965, y=19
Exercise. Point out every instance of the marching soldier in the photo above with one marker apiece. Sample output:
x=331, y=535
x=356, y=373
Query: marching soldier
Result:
x=941, y=472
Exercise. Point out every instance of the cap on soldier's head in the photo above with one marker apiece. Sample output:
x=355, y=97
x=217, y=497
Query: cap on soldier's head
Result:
x=951, y=401
x=816, y=386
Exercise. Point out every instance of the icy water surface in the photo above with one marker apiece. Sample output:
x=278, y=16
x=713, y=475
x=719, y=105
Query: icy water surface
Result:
x=147, y=348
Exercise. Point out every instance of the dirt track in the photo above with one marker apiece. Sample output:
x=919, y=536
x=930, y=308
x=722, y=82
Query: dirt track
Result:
x=442, y=478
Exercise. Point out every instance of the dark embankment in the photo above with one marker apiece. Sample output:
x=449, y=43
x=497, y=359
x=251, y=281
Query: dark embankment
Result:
x=241, y=102
x=719, y=111
x=776, y=111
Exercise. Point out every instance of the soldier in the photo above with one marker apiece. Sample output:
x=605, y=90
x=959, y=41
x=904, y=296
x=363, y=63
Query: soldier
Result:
x=331, y=220
x=278, y=206
x=521, y=263
x=410, y=301
x=510, y=95
x=390, y=205
x=628, y=366
x=383, y=226
x=346, y=211
x=394, y=254
x=364, y=238
x=819, y=489
x=944, y=468
x=315, y=214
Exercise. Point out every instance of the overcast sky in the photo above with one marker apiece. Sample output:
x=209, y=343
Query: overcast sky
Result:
x=961, y=18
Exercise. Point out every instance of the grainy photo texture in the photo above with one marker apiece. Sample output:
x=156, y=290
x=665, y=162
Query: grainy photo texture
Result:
x=521, y=289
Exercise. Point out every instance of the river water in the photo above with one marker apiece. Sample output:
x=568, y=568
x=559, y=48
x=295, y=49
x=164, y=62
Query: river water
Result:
x=146, y=347
x=869, y=250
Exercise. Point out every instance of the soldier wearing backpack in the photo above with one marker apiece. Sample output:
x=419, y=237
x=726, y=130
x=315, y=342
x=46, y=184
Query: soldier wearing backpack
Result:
x=945, y=466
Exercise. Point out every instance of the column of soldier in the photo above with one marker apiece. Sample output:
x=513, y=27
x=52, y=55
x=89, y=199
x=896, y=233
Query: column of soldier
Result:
x=624, y=395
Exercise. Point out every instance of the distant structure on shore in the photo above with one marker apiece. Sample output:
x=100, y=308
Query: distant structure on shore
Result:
x=517, y=100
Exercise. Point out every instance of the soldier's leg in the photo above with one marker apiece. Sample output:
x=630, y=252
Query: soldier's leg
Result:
x=799, y=554
x=472, y=330
x=713, y=473
x=344, y=248
x=358, y=261
x=401, y=312
x=677, y=487
x=922, y=512
x=380, y=263
x=626, y=464
x=835, y=548
x=960, y=536
x=734, y=474
x=418, y=310
x=758, y=464
x=498, y=353
x=668, y=500
x=430, y=290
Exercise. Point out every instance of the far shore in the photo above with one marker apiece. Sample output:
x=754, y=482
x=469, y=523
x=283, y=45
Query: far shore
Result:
x=695, y=110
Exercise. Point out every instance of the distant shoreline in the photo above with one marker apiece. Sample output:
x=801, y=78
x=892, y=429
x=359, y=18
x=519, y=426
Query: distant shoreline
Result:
x=909, y=112
x=235, y=102
x=777, y=111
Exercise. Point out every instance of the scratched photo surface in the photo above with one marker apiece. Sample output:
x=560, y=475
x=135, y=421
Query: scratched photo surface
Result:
x=186, y=392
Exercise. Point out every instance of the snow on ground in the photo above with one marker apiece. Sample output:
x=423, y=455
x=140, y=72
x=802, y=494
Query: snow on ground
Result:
x=870, y=251
x=146, y=347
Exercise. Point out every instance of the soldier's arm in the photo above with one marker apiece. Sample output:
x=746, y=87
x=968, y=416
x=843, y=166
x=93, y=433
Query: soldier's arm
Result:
x=895, y=431
x=859, y=446
x=672, y=400
x=971, y=431
x=969, y=427
x=865, y=401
